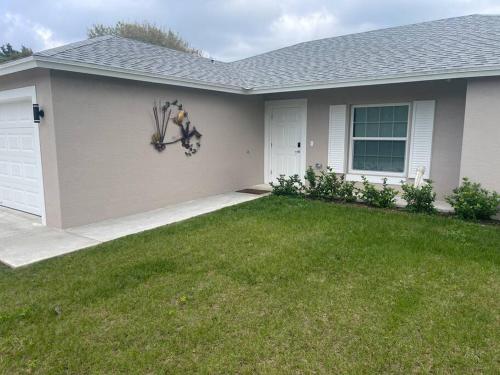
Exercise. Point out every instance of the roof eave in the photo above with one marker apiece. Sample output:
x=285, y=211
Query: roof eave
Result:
x=487, y=72
x=86, y=68
x=32, y=62
x=78, y=67
x=18, y=65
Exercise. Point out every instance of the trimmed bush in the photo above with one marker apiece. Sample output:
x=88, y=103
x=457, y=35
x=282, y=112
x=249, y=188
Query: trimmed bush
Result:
x=327, y=185
x=419, y=199
x=347, y=191
x=314, y=184
x=383, y=198
x=288, y=186
x=472, y=202
x=323, y=185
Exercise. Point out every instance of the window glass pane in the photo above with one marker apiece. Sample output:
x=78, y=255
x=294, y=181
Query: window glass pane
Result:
x=401, y=113
x=379, y=156
x=385, y=148
x=384, y=164
x=359, y=114
x=384, y=121
x=372, y=148
x=398, y=164
x=371, y=163
x=385, y=129
x=358, y=162
x=373, y=114
x=375, y=123
x=372, y=129
x=359, y=148
x=387, y=114
x=359, y=130
x=400, y=129
x=398, y=148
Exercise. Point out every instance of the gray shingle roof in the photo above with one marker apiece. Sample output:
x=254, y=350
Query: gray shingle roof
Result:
x=456, y=44
x=122, y=53
x=469, y=42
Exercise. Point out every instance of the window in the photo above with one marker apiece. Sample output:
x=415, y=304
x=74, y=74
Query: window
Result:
x=379, y=137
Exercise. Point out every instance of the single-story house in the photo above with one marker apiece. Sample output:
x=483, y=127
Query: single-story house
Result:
x=380, y=103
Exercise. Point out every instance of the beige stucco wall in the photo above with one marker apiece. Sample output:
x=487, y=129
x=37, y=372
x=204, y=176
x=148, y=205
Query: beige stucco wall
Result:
x=98, y=163
x=107, y=167
x=448, y=127
x=40, y=78
x=481, y=141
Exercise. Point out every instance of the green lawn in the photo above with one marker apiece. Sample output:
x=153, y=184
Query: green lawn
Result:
x=277, y=285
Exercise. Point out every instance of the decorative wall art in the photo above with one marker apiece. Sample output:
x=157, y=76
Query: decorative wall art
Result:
x=189, y=137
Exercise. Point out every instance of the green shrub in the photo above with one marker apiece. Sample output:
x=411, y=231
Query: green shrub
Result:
x=327, y=185
x=310, y=176
x=322, y=185
x=330, y=184
x=313, y=188
x=384, y=197
x=419, y=199
x=472, y=202
x=347, y=191
x=288, y=186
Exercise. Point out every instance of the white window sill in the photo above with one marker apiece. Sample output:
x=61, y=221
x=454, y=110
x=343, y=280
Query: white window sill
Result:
x=375, y=179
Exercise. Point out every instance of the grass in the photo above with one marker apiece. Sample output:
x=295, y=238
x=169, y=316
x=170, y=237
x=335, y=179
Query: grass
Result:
x=277, y=285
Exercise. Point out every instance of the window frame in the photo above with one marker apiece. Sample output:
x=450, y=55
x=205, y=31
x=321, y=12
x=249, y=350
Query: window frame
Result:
x=367, y=173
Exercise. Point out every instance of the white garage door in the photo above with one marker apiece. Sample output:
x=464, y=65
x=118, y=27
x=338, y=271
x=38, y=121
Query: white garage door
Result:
x=20, y=174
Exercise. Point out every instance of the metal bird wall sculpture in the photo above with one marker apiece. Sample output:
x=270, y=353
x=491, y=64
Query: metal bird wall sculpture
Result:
x=173, y=111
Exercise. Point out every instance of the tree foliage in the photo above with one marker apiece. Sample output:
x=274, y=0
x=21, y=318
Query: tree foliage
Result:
x=7, y=52
x=144, y=32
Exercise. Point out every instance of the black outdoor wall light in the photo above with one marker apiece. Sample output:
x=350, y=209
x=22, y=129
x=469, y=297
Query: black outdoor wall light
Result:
x=37, y=113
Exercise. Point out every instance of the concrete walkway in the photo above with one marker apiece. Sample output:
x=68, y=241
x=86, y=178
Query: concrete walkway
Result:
x=24, y=240
x=441, y=206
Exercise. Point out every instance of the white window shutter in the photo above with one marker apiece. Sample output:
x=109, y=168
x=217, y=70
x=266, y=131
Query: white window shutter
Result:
x=336, y=138
x=421, y=140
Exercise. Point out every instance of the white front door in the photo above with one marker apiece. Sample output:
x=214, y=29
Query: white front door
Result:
x=287, y=137
x=20, y=174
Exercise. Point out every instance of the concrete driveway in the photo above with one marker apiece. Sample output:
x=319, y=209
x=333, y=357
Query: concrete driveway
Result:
x=24, y=240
